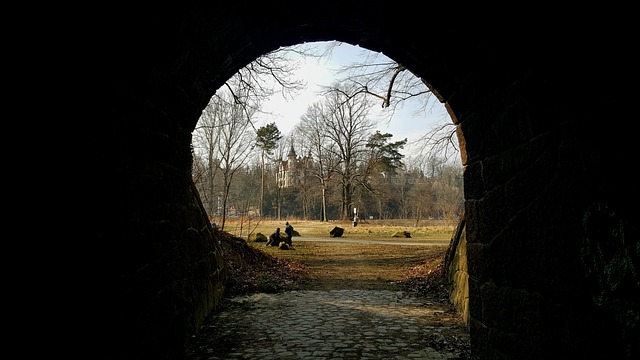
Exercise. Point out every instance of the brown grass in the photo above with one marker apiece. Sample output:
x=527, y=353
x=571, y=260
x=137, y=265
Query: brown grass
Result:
x=333, y=266
x=370, y=229
x=319, y=265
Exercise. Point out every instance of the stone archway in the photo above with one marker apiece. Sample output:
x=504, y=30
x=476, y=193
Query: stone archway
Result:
x=545, y=188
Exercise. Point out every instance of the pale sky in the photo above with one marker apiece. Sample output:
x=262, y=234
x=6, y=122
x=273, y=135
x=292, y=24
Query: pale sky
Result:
x=286, y=114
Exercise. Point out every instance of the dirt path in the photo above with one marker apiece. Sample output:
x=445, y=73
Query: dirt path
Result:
x=355, y=290
x=341, y=240
x=360, y=264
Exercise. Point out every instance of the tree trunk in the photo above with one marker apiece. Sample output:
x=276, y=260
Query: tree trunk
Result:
x=262, y=188
x=324, y=203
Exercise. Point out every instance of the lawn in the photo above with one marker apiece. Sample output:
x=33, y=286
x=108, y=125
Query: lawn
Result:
x=314, y=264
x=371, y=229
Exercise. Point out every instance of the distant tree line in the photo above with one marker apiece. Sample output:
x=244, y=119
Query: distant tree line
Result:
x=236, y=168
x=347, y=165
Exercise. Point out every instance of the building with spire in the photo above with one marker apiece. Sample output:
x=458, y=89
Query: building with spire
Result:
x=292, y=171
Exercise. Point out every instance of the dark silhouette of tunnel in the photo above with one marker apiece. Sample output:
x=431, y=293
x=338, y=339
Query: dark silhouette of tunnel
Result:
x=542, y=110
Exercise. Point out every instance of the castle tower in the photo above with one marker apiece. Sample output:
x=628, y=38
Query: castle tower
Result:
x=290, y=175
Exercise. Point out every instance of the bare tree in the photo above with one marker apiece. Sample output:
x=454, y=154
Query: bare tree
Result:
x=312, y=128
x=388, y=81
x=422, y=200
x=393, y=84
x=449, y=197
x=348, y=126
x=267, y=75
x=440, y=142
x=246, y=90
x=206, y=137
x=235, y=142
x=244, y=193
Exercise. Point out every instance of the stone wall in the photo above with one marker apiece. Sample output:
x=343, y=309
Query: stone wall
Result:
x=544, y=123
x=161, y=271
x=455, y=267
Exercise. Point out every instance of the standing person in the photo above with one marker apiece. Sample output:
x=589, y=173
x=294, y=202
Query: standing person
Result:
x=288, y=229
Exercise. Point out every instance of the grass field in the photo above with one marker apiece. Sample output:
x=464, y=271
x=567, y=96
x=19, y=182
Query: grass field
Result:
x=318, y=264
x=370, y=229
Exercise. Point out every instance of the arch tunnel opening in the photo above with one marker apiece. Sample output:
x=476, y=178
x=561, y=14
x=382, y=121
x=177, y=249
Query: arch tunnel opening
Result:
x=370, y=282
x=533, y=171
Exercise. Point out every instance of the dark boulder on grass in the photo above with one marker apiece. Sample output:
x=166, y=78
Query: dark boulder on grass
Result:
x=259, y=237
x=336, y=232
x=405, y=234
